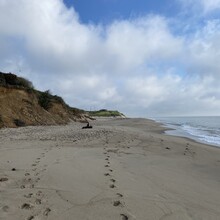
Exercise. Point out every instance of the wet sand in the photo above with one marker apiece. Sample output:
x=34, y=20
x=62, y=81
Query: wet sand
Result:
x=121, y=169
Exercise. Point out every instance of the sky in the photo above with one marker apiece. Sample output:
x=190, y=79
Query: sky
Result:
x=144, y=58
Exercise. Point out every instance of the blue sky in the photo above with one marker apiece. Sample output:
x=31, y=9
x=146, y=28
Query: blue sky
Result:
x=105, y=11
x=144, y=58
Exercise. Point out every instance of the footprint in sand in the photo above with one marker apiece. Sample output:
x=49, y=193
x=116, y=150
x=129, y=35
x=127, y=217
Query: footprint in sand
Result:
x=38, y=201
x=119, y=194
x=113, y=180
x=106, y=165
x=28, y=195
x=37, y=180
x=112, y=186
x=116, y=203
x=30, y=218
x=124, y=217
x=39, y=193
x=107, y=174
x=5, y=208
x=110, y=170
x=47, y=211
x=3, y=179
x=26, y=206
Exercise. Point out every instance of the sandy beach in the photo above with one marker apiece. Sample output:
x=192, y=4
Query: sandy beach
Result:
x=121, y=169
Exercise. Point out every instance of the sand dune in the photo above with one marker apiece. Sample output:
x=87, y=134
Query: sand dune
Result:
x=121, y=169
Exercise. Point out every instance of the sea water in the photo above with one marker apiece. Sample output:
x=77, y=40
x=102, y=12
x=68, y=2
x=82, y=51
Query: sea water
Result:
x=205, y=129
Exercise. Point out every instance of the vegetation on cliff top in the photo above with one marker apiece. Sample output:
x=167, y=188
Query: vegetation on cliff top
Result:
x=12, y=81
x=105, y=113
x=45, y=99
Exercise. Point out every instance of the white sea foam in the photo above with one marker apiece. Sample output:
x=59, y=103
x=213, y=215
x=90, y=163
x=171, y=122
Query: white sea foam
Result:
x=204, y=134
x=205, y=129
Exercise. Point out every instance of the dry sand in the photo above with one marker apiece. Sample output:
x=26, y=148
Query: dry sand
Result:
x=121, y=169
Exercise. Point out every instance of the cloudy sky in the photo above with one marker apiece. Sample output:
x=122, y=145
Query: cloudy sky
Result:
x=145, y=58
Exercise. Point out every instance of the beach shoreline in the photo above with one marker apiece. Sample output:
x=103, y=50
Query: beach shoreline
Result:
x=121, y=169
x=176, y=130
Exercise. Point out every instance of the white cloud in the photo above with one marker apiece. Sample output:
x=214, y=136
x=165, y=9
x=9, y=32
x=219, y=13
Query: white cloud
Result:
x=135, y=42
x=211, y=5
x=204, y=6
x=50, y=30
x=203, y=52
x=138, y=66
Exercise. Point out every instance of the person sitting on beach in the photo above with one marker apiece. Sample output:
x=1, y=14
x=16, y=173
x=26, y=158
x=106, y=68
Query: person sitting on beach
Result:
x=87, y=126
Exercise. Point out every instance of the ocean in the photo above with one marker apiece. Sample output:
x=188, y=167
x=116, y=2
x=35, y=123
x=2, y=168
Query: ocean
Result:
x=204, y=129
